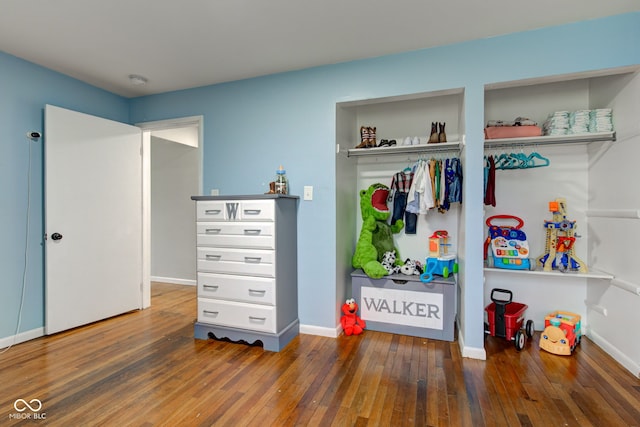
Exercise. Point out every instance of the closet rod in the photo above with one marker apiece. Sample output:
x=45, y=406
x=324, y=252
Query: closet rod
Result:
x=614, y=213
x=627, y=286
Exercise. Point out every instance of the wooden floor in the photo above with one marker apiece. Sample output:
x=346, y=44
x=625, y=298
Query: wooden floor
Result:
x=145, y=369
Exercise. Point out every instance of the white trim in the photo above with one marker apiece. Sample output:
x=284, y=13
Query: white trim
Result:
x=171, y=123
x=146, y=219
x=21, y=337
x=614, y=352
x=471, y=352
x=174, y=281
x=321, y=331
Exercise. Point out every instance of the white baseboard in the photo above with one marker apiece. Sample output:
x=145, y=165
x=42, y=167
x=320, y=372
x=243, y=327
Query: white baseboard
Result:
x=321, y=331
x=21, y=337
x=614, y=352
x=470, y=352
x=173, y=280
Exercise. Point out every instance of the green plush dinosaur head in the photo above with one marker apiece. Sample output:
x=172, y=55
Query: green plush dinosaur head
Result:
x=373, y=202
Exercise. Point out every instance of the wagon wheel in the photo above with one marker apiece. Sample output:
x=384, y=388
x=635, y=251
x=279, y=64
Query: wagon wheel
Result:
x=520, y=339
x=530, y=328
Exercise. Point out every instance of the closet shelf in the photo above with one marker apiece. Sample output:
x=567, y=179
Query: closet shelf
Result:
x=404, y=149
x=592, y=274
x=583, y=138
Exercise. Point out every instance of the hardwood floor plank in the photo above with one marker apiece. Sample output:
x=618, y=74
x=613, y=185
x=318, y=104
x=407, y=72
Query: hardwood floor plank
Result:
x=145, y=369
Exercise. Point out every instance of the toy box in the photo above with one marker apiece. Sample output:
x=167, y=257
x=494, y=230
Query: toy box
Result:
x=405, y=305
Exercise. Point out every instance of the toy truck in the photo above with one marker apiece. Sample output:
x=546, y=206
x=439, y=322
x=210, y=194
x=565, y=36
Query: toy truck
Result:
x=562, y=333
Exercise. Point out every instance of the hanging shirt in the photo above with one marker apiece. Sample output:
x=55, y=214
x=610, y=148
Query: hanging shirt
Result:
x=401, y=181
x=420, y=196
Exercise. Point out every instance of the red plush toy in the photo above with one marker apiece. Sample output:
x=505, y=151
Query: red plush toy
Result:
x=351, y=323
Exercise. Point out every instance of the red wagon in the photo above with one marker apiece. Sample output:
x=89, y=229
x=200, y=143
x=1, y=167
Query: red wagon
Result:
x=505, y=319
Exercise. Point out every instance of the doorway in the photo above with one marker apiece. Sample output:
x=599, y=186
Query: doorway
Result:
x=172, y=171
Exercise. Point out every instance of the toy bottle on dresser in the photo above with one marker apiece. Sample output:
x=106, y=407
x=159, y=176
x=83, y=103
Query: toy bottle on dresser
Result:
x=282, y=184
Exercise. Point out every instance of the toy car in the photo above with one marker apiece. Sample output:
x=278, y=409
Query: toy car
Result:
x=562, y=333
x=505, y=319
x=440, y=261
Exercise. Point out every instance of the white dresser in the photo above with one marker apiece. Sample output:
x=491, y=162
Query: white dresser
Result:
x=247, y=268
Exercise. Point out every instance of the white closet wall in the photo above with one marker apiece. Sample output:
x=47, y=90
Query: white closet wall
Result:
x=613, y=311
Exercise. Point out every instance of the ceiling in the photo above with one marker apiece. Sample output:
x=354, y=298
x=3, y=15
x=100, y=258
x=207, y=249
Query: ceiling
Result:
x=190, y=43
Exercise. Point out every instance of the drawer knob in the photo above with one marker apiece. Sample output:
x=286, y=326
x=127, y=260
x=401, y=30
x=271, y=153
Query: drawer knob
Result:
x=213, y=257
x=252, y=231
x=210, y=287
x=252, y=211
x=252, y=259
x=212, y=211
x=212, y=231
x=257, y=291
x=257, y=319
x=210, y=313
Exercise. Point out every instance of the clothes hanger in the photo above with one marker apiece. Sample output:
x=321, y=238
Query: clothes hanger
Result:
x=532, y=160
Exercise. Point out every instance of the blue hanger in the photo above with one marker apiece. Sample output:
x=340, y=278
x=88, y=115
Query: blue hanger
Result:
x=533, y=163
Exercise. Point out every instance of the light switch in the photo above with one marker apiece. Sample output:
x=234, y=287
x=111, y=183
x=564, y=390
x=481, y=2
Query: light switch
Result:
x=308, y=192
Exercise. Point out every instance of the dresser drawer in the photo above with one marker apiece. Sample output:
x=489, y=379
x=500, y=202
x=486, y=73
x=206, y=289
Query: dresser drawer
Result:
x=210, y=210
x=258, y=235
x=258, y=210
x=250, y=262
x=221, y=210
x=258, y=290
x=237, y=315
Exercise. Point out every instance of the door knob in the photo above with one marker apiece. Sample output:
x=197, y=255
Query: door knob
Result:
x=56, y=236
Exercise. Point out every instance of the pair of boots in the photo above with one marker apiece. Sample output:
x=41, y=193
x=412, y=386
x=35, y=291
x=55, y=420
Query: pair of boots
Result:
x=437, y=136
x=367, y=137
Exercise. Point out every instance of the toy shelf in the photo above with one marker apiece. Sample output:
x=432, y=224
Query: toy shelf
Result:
x=583, y=138
x=593, y=274
x=404, y=149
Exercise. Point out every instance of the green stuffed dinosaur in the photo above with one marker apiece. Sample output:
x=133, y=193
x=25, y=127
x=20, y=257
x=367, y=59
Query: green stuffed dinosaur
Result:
x=376, y=236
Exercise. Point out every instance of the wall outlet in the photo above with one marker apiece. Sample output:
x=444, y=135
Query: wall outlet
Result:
x=308, y=192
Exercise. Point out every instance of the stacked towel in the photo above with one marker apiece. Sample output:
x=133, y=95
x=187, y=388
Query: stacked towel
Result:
x=600, y=120
x=579, y=121
x=557, y=123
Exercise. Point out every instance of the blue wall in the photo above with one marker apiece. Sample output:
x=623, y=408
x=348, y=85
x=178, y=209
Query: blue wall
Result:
x=252, y=126
x=24, y=90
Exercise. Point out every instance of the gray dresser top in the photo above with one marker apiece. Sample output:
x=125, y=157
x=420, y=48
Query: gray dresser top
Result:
x=246, y=197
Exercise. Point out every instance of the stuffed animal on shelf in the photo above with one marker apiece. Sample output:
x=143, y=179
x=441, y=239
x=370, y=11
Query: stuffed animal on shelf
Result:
x=376, y=236
x=411, y=268
x=389, y=262
x=351, y=323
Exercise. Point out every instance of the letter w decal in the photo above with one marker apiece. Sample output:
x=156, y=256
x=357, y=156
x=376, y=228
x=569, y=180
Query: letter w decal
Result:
x=232, y=210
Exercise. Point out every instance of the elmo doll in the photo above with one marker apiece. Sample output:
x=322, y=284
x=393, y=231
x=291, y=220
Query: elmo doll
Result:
x=351, y=323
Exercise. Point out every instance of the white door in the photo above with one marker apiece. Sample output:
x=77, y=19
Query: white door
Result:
x=93, y=218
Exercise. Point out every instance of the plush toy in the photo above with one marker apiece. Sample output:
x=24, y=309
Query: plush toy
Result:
x=389, y=262
x=411, y=268
x=376, y=236
x=352, y=324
